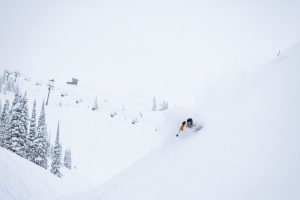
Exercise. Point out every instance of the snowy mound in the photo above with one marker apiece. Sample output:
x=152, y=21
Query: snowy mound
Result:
x=248, y=150
x=21, y=179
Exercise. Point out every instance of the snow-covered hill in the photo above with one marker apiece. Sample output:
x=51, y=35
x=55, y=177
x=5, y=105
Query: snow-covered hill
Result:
x=21, y=179
x=248, y=148
x=102, y=146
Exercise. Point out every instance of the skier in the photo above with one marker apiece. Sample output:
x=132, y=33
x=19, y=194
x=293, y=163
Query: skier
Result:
x=188, y=124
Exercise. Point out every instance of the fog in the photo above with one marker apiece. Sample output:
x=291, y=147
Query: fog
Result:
x=164, y=48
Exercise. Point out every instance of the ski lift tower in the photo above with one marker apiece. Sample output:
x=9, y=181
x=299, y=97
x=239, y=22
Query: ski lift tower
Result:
x=17, y=74
x=8, y=74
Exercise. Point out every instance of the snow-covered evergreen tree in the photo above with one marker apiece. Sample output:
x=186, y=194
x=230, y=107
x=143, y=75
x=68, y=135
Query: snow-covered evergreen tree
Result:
x=56, y=160
x=31, y=154
x=17, y=134
x=0, y=110
x=95, y=107
x=3, y=77
x=25, y=113
x=51, y=151
x=7, y=86
x=164, y=106
x=48, y=148
x=10, y=85
x=16, y=88
x=0, y=114
x=25, y=118
x=5, y=124
x=68, y=159
x=41, y=143
x=3, y=80
x=154, y=104
x=1, y=84
x=15, y=101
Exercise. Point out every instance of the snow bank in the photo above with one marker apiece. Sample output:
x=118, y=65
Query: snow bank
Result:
x=21, y=179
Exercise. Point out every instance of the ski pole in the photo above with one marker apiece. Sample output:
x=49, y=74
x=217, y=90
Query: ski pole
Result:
x=181, y=128
x=178, y=133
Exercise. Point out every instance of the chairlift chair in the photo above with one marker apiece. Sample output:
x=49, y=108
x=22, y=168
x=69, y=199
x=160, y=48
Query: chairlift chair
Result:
x=73, y=82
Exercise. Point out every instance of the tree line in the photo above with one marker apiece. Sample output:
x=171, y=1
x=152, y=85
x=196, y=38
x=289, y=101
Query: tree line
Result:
x=28, y=136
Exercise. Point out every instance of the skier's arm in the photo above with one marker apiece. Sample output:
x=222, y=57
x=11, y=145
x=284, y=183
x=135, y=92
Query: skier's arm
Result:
x=181, y=128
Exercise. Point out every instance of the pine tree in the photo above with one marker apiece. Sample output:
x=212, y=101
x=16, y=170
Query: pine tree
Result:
x=41, y=143
x=10, y=85
x=0, y=109
x=0, y=114
x=56, y=161
x=17, y=134
x=48, y=147
x=51, y=151
x=164, y=106
x=15, y=101
x=16, y=88
x=67, y=159
x=1, y=84
x=5, y=125
x=154, y=104
x=3, y=78
x=24, y=120
x=25, y=114
x=95, y=107
x=31, y=154
x=7, y=86
x=4, y=89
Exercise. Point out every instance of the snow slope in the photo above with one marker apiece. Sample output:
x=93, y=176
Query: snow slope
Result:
x=101, y=146
x=248, y=148
x=21, y=179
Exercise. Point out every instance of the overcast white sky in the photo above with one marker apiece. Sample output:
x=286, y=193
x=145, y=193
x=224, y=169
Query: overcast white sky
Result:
x=154, y=47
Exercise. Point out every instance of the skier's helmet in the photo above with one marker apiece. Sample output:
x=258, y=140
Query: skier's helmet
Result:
x=189, y=121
